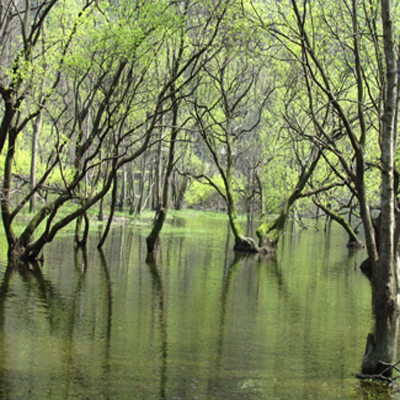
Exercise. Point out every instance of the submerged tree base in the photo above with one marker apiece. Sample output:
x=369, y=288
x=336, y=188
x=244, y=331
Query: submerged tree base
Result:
x=152, y=239
x=384, y=376
x=267, y=245
x=269, y=234
x=246, y=245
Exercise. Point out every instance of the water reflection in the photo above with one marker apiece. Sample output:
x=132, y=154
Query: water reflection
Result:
x=159, y=319
x=109, y=308
x=4, y=290
x=192, y=321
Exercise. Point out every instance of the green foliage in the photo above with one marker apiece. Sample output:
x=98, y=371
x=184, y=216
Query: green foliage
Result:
x=251, y=111
x=202, y=194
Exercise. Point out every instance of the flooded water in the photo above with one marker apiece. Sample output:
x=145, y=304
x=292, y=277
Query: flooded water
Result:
x=194, y=322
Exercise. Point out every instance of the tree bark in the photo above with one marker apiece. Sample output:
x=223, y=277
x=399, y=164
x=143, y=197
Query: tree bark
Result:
x=122, y=198
x=81, y=241
x=35, y=135
x=163, y=206
x=141, y=202
x=382, y=344
x=114, y=194
x=179, y=187
x=12, y=240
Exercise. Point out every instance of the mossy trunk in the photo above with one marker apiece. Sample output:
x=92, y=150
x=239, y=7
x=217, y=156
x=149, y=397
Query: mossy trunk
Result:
x=242, y=243
x=269, y=233
x=354, y=241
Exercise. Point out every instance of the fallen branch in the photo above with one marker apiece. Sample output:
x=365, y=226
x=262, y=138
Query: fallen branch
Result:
x=383, y=375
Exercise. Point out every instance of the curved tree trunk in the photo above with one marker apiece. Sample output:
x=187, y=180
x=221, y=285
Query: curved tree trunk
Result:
x=242, y=242
x=152, y=239
x=31, y=249
x=354, y=241
x=269, y=232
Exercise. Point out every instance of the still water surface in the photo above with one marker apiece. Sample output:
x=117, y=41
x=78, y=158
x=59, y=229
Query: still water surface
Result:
x=194, y=322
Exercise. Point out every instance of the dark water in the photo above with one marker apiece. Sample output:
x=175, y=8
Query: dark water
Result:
x=195, y=322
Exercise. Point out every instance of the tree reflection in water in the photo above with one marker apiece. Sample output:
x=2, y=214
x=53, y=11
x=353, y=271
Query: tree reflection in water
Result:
x=192, y=320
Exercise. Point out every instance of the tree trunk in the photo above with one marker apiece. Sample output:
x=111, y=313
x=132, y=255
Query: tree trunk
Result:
x=354, y=241
x=81, y=242
x=179, y=189
x=131, y=189
x=122, y=198
x=35, y=135
x=381, y=345
x=162, y=208
x=242, y=243
x=141, y=202
x=152, y=239
x=114, y=195
x=14, y=249
x=100, y=215
x=158, y=172
x=269, y=233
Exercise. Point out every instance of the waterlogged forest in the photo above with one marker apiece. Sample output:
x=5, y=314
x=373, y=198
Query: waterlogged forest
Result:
x=198, y=321
x=199, y=199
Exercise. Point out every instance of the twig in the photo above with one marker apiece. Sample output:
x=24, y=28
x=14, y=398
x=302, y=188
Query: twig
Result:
x=382, y=376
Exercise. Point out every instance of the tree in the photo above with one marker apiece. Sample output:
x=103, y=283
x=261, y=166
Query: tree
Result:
x=225, y=111
x=102, y=125
x=384, y=257
x=21, y=27
x=19, y=76
x=359, y=91
x=270, y=232
x=189, y=55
